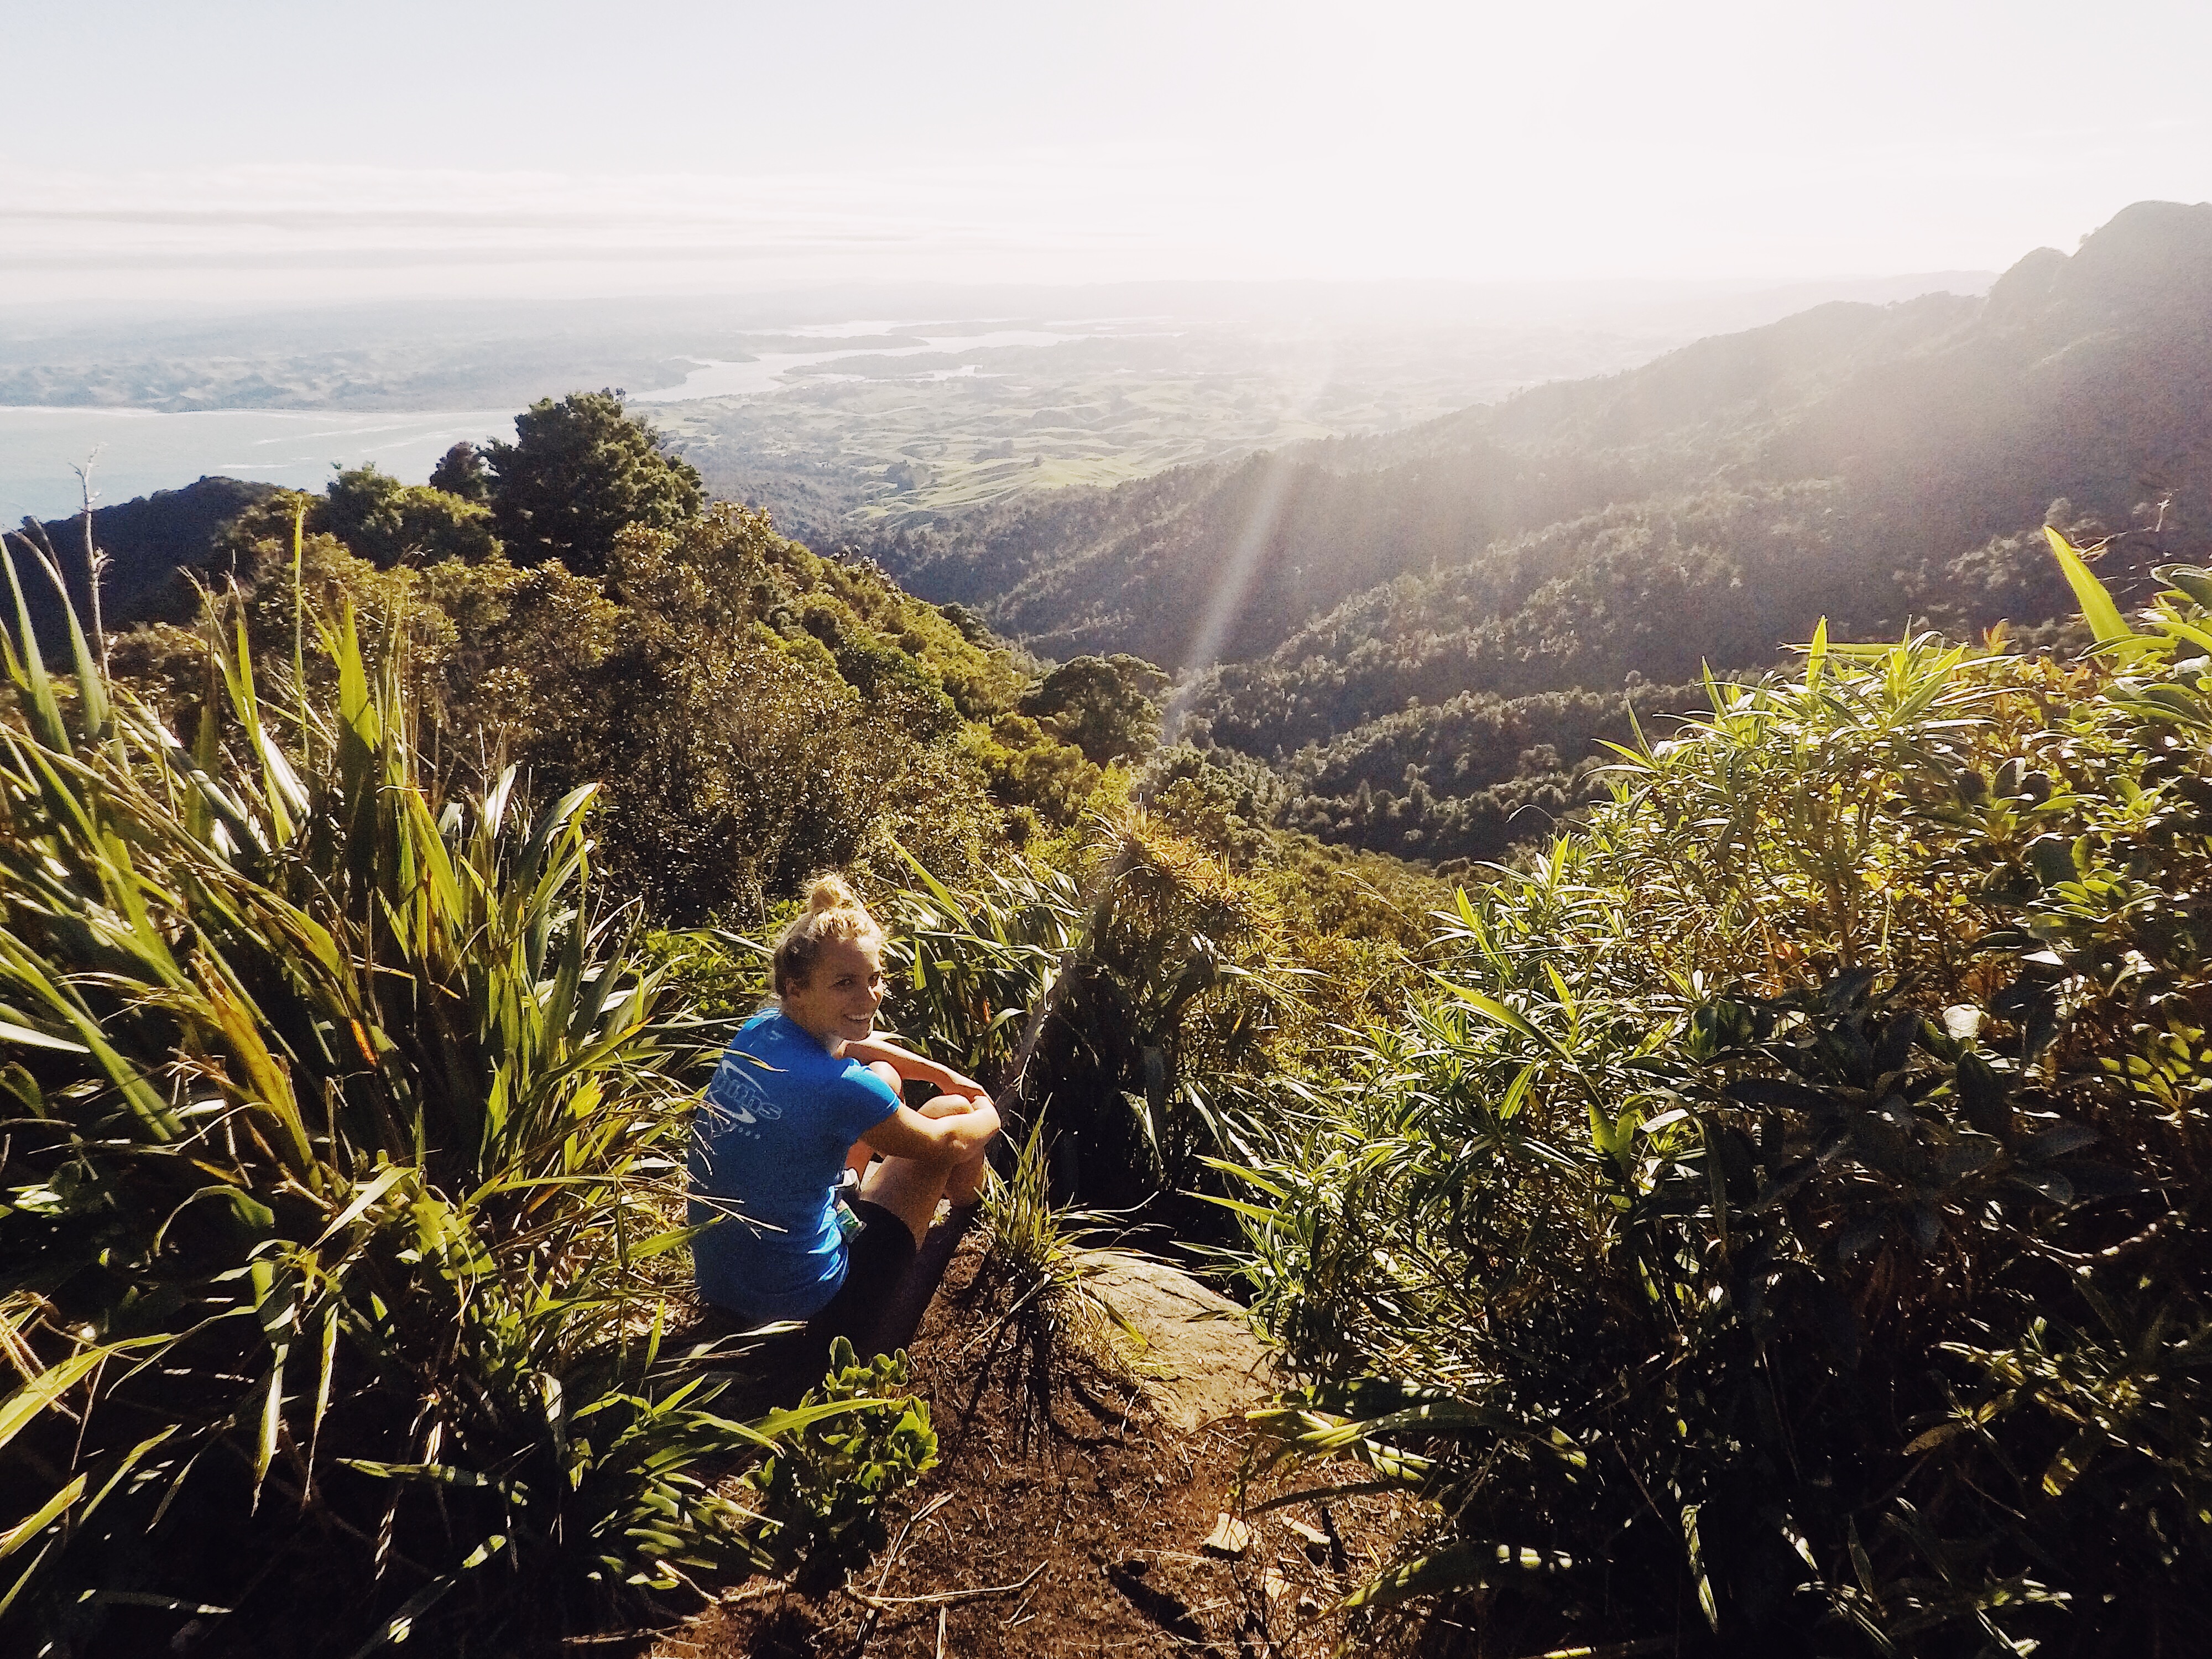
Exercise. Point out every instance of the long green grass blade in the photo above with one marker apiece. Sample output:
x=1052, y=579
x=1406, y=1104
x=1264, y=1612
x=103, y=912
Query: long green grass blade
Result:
x=2098, y=609
x=152, y=1110
x=38, y=1393
x=29, y=670
x=29, y=1527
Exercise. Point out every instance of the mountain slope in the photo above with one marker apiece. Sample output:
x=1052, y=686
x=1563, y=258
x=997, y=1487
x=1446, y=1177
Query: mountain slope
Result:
x=1947, y=420
x=146, y=542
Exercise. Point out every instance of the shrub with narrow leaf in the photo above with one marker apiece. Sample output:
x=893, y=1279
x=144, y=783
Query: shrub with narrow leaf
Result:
x=1783, y=1229
x=1158, y=979
x=340, y=1166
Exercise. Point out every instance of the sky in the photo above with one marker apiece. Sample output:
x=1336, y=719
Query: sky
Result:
x=230, y=152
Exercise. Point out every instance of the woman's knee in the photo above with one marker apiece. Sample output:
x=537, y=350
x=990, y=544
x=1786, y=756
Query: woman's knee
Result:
x=889, y=1074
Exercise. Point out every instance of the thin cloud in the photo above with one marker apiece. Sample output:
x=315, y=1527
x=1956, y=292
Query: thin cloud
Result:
x=1543, y=205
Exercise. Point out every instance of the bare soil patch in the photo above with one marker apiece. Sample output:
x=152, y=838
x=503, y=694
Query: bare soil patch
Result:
x=1069, y=1516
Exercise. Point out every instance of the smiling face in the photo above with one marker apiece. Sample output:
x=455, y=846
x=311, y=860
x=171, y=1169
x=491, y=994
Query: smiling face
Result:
x=838, y=1002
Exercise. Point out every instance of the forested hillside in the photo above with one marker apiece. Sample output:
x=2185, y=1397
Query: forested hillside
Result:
x=1886, y=467
x=146, y=542
x=368, y=927
x=1763, y=1221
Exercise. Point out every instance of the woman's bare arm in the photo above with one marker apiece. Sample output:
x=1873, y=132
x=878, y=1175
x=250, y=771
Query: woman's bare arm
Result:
x=952, y=1133
x=910, y=1066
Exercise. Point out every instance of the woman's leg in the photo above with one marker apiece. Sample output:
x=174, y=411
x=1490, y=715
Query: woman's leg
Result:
x=862, y=1154
x=966, y=1180
x=909, y=1189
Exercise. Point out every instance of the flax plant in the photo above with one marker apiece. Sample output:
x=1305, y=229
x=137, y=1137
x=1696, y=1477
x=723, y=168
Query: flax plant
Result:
x=339, y=1221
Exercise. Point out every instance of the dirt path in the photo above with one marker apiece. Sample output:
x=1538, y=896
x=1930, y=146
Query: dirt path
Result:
x=1080, y=1513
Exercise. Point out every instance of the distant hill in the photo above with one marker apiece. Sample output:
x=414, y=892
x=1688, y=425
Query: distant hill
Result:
x=146, y=542
x=1948, y=419
x=1880, y=465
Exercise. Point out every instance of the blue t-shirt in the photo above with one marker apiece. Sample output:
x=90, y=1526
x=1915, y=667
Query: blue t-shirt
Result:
x=767, y=1145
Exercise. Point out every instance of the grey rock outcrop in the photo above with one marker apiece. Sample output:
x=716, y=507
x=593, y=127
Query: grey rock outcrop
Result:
x=1200, y=1360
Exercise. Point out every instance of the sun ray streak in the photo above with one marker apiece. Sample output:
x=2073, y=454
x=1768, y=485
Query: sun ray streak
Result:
x=1224, y=606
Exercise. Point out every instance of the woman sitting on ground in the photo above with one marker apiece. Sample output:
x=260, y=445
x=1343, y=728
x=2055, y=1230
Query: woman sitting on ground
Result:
x=806, y=1091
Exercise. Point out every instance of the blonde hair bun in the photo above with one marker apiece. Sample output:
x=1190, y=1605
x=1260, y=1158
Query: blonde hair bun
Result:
x=834, y=911
x=831, y=891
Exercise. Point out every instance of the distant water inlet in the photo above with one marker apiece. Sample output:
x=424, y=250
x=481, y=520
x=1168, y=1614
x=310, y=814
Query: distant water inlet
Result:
x=764, y=373
x=135, y=451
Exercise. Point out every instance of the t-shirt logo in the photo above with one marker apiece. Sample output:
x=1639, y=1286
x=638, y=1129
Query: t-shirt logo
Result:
x=738, y=1095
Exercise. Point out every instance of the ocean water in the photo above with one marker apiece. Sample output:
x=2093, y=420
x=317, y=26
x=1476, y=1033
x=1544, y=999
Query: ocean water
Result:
x=764, y=373
x=134, y=451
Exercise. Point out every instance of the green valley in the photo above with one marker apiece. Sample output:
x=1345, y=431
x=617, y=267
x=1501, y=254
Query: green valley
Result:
x=1887, y=467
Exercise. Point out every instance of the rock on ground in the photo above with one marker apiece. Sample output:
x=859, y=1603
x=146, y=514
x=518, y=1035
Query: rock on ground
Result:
x=1200, y=1361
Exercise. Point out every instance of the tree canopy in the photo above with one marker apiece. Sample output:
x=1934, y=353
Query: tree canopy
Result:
x=578, y=474
x=387, y=522
x=1107, y=707
x=461, y=472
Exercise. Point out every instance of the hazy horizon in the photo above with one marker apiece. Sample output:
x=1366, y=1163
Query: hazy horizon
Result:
x=1406, y=301
x=281, y=395
x=1346, y=222
x=276, y=156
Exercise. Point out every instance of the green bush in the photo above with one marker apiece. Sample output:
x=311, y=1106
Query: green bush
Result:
x=388, y=523
x=1783, y=1210
x=823, y=1490
x=578, y=474
x=1142, y=988
x=341, y=1181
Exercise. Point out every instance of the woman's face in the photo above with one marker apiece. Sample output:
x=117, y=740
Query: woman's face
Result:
x=839, y=1001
